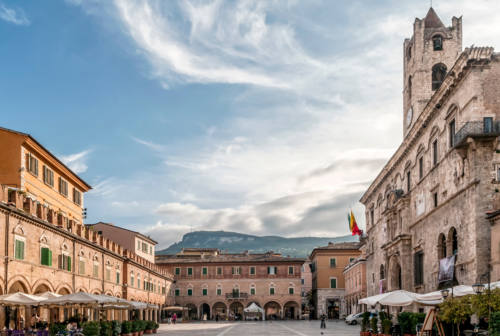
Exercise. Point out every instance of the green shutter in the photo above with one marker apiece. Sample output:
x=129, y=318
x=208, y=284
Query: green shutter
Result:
x=21, y=250
x=50, y=258
x=69, y=263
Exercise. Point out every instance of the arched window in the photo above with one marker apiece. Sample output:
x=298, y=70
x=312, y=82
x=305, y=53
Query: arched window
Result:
x=453, y=239
x=409, y=86
x=438, y=75
x=441, y=246
x=408, y=53
x=382, y=272
x=437, y=42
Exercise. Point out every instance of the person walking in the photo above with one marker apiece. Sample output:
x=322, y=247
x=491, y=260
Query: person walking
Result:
x=323, y=321
x=174, y=318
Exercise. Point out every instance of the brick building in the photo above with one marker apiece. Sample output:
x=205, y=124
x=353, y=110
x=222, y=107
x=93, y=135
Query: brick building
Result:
x=355, y=284
x=212, y=283
x=431, y=199
x=328, y=283
x=46, y=245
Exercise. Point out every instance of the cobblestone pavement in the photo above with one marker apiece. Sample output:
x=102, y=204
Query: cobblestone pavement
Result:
x=271, y=328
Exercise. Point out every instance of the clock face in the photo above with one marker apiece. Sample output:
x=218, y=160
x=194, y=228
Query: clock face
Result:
x=409, y=116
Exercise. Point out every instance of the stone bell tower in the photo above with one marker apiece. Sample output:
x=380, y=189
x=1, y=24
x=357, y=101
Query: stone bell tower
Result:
x=428, y=56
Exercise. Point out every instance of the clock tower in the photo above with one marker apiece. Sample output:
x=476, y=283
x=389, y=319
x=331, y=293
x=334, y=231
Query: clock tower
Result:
x=428, y=56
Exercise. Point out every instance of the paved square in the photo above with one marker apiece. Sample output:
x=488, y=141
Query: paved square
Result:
x=271, y=328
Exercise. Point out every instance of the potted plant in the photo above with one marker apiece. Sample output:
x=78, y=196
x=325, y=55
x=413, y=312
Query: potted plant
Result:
x=91, y=328
x=56, y=328
x=386, y=327
x=495, y=324
x=364, y=324
x=105, y=328
x=374, y=326
x=116, y=328
x=142, y=327
x=136, y=325
x=156, y=326
x=127, y=328
x=149, y=327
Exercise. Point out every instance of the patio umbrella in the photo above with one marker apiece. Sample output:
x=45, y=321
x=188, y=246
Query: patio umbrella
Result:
x=21, y=299
x=49, y=295
x=399, y=298
x=372, y=300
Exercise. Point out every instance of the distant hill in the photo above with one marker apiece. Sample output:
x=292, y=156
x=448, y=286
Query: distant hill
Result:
x=237, y=242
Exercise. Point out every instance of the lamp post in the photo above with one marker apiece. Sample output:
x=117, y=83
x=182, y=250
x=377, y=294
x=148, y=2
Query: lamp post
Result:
x=479, y=288
x=445, y=293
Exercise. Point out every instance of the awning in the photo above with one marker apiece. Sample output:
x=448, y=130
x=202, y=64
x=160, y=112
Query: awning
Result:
x=372, y=300
x=21, y=299
x=399, y=298
x=82, y=298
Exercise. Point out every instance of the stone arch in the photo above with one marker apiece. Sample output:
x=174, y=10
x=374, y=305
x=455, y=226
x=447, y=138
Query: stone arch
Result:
x=205, y=309
x=44, y=239
x=19, y=230
x=291, y=310
x=118, y=295
x=108, y=292
x=452, y=241
x=192, y=311
x=272, y=310
x=81, y=289
x=438, y=75
x=236, y=309
x=219, y=308
x=63, y=289
x=41, y=286
x=95, y=291
x=395, y=274
x=19, y=284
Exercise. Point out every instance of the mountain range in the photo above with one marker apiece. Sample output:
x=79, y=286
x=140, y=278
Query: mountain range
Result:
x=299, y=247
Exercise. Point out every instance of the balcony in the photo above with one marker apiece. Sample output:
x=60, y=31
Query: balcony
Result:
x=236, y=296
x=476, y=129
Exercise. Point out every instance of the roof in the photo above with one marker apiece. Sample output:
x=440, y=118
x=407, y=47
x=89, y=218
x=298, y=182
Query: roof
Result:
x=225, y=258
x=46, y=150
x=124, y=229
x=345, y=246
x=432, y=20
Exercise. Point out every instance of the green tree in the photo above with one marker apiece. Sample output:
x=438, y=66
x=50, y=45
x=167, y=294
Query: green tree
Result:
x=456, y=310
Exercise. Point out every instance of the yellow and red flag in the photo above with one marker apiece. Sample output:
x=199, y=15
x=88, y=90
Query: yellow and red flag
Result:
x=353, y=226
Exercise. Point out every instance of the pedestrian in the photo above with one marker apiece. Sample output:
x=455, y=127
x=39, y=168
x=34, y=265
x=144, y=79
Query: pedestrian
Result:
x=217, y=318
x=174, y=318
x=323, y=321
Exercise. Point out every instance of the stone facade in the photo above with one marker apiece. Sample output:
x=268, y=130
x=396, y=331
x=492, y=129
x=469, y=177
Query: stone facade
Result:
x=355, y=285
x=430, y=200
x=328, y=283
x=212, y=283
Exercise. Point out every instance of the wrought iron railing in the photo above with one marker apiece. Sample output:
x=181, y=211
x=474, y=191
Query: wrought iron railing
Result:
x=236, y=295
x=476, y=129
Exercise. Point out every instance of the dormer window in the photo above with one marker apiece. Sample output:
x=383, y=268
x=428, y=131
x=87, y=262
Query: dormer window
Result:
x=437, y=42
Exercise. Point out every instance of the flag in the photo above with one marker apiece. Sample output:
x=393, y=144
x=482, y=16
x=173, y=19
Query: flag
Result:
x=353, y=226
x=349, y=222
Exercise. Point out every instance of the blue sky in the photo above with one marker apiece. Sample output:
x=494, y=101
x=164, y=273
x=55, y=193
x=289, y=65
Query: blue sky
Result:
x=264, y=117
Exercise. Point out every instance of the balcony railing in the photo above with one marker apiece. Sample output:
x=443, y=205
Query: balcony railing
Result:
x=476, y=129
x=236, y=296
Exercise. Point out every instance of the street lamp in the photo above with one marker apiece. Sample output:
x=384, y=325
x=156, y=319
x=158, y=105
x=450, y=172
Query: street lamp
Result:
x=478, y=288
x=445, y=292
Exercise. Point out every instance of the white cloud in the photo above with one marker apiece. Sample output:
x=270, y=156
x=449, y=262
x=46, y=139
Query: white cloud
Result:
x=308, y=132
x=77, y=162
x=15, y=16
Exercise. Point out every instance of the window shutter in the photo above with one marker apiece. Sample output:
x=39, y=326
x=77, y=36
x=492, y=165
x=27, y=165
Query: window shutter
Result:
x=268, y=270
x=69, y=263
x=50, y=258
x=22, y=250
x=16, y=249
x=43, y=258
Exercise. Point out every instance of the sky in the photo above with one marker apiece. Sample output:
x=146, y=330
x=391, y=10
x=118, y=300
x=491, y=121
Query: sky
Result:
x=263, y=117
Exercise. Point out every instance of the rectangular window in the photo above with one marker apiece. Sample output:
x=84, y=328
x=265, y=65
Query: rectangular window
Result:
x=33, y=165
x=204, y=271
x=118, y=278
x=333, y=262
x=252, y=291
x=290, y=290
x=236, y=270
x=488, y=124
x=252, y=270
x=190, y=292
x=108, y=275
x=77, y=196
x=408, y=181
x=219, y=270
x=301, y=281
x=451, y=132
x=63, y=187
x=498, y=173
x=150, y=249
x=163, y=290
x=190, y=271
x=435, y=197
x=272, y=270
x=435, y=152
x=333, y=283
x=419, y=268
x=138, y=245
x=81, y=267
x=132, y=280
x=290, y=270
x=144, y=247
x=271, y=291
x=420, y=168
x=372, y=216
x=177, y=292
x=64, y=262
x=204, y=292
x=45, y=256
x=219, y=291
x=177, y=271
x=48, y=176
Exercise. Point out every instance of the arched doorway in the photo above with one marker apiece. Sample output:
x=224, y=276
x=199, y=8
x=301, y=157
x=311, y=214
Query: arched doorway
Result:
x=205, y=311
x=236, y=310
x=292, y=310
x=395, y=276
x=220, y=309
x=272, y=310
x=193, y=311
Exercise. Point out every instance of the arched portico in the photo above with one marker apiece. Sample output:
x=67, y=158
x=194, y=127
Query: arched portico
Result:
x=219, y=309
x=272, y=310
x=292, y=310
x=236, y=310
x=205, y=311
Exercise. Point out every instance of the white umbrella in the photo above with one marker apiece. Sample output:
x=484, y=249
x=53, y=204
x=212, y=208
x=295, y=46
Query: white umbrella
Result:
x=399, y=298
x=49, y=295
x=21, y=299
x=253, y=308
x=372, y=300
x=80, y=298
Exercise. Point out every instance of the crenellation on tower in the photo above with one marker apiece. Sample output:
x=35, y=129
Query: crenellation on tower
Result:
x=428, y=55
